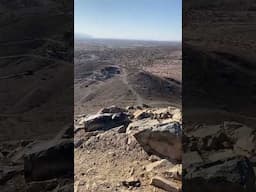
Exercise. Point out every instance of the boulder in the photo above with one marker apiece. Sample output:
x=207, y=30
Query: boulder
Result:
x=112, y=109
x=162, y=140
x=140, y=125
x=49, y=160
x=105, y=121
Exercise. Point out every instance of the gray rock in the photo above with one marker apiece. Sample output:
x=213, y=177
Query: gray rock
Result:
x=49, y=160
x=105, y=121
x=162, y=140
x=41, y=186
x=7, y=172
x=112, y=109
x=234, y=174
x=79, y=142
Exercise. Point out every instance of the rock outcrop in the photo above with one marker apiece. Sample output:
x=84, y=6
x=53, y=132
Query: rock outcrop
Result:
x=37, y=166
x=163, y=140
x=49, y=160
x=105, y=121
x=219, y=158
x=143, y=140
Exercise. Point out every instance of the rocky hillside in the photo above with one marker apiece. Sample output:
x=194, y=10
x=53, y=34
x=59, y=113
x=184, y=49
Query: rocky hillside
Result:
x=36, y=165
x=132, y=149
x=36, y=70
x=219, y=157
x=123, y=73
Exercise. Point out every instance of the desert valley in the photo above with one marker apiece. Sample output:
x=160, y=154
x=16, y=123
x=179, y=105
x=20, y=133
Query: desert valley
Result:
x=127, y=115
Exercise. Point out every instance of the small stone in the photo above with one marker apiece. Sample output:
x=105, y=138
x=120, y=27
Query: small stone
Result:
x=154, y=158
x=78, y=143
x=129, y=108
x=158, y=164
x=121, y=129
x=131, y=182
x=141, y=114
x=145, y=105
x=131, y=171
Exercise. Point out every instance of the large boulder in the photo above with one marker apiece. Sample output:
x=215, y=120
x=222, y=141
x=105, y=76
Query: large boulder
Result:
x=163, y=140
x=112, y=109
x=49, y=160
x=105, y=121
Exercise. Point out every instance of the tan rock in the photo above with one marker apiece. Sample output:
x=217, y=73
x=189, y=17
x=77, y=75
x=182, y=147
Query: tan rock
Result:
x=167, y=185
x=158, y=165
x=141, y=114
x=154, y=158
x=139, y=125
x=177, y=116
x=174, y=172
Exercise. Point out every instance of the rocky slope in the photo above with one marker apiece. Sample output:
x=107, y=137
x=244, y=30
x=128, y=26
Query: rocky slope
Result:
x=133, y=149
x=38, y=166
x=36, y=69
x=219, y=157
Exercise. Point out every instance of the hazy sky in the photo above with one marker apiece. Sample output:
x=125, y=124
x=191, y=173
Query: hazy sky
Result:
x=129, y=19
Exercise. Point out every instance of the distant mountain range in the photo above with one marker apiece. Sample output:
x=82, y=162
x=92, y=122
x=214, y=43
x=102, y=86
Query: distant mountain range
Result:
x=82, y=36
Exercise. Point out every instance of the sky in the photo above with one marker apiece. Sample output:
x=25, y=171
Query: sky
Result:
x=129, y=19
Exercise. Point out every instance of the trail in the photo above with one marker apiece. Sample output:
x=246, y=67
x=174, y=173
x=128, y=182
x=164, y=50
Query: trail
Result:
x=124, y=77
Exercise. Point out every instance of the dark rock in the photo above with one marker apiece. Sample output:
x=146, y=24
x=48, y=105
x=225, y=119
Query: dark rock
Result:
x=78, y=143
x=131, y=183
x=121, y=129
x=105, y=121
x=129, y=107
x=49, y=160
x=145, y=105
x=77, y=129
x=7, y=172
x=40, y=186
x=234, y=174
x=66, y=133
x=112, y=109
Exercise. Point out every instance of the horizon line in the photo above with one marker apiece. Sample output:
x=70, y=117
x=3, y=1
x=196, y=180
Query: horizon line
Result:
x=112, y=38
